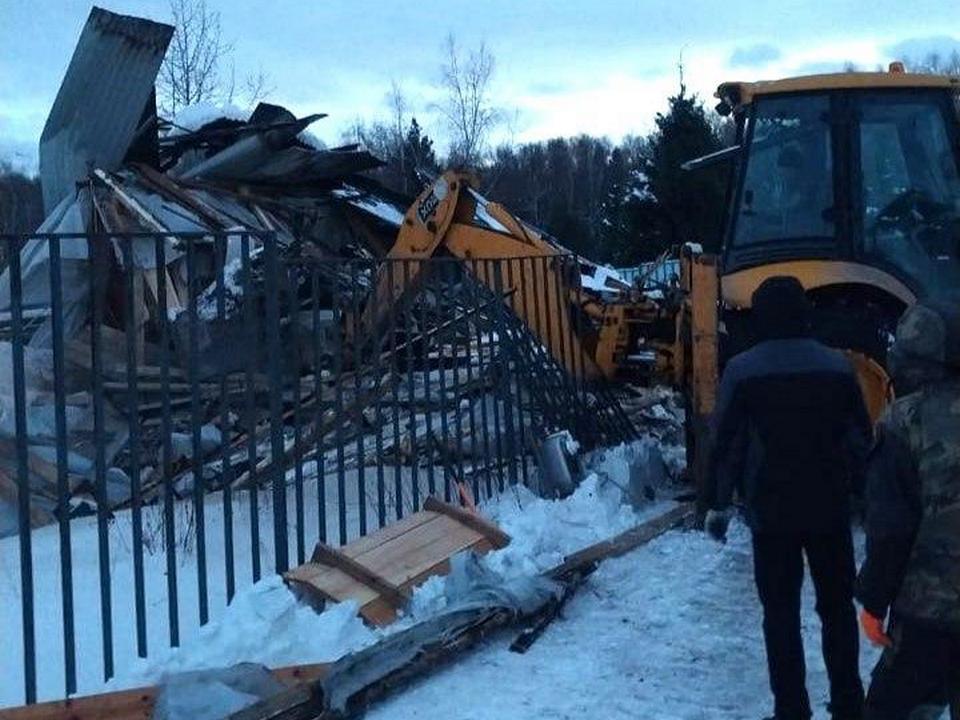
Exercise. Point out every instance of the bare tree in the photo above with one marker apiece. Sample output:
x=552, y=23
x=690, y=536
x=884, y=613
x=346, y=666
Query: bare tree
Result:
x=257, y=86
x=937, y=64
x=397, y=102
x=468, y=108
x=191, y=70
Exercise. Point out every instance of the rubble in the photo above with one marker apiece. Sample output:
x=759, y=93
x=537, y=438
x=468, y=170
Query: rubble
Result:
x=178, y=240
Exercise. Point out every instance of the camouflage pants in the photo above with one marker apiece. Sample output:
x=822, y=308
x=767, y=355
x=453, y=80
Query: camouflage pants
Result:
x=917, y=677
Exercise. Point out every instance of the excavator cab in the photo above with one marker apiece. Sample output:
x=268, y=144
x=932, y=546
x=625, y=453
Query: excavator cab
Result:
x=851, y=183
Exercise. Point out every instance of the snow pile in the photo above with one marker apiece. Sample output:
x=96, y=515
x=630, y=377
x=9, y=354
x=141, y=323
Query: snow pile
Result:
x=193, y=117
x=543, y=531
x=265, y=624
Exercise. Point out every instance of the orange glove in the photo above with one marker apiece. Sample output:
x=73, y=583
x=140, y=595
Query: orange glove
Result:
x=874, y=630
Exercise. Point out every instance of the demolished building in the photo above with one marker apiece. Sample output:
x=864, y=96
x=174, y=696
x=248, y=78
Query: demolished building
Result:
x=162, y=231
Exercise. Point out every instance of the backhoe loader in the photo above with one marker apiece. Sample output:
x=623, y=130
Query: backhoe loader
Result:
x=849, y=182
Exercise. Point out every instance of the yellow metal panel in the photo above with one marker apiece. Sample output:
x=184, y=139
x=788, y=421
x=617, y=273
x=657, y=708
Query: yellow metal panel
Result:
x=747, y=91
x=738, y=287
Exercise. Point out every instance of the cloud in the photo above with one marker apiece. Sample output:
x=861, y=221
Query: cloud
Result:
x=918, y=48
x=754, y=55
x=821, y=67
x=547, y=88
x=19, y=156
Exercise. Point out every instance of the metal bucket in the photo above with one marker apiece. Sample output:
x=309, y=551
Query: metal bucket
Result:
x=555, y=463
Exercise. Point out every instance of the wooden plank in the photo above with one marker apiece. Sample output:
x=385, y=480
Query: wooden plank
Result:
x=405, y=562
x=326, y=555
x=135, y=704
x=625, y=541
x=497, y=537
x=418, y=550
x=334, y=584
x=363, y=545
x=367, y=543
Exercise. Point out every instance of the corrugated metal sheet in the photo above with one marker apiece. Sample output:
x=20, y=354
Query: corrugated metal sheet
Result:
x=107, y=85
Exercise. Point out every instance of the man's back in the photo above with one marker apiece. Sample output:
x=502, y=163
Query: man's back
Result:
x=792, y=434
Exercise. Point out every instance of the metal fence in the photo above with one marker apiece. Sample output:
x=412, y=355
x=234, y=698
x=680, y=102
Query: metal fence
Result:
x=191, y=412
x=653, y=275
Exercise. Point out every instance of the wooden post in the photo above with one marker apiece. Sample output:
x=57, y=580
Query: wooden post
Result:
x=704, y=295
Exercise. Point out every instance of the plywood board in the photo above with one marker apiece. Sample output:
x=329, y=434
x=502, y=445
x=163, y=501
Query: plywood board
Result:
x=398, y=556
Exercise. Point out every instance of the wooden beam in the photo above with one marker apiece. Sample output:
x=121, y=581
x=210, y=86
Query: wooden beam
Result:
x=323, y=554
x=624, y=542
x=137, y=703
x=497, y=537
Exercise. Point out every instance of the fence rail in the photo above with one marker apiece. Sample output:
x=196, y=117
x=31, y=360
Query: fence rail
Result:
x=192, y=411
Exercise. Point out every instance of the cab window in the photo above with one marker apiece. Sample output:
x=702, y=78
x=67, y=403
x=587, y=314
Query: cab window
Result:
x=788, y=182
x=910, y=185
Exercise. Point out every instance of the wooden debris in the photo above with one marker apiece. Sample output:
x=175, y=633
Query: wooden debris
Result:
x=137, y=703
x=380, y=669
x=311, y=692
x=379, y=570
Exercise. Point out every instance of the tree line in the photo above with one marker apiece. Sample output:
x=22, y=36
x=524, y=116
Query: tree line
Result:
x=614, y=202
x=620, y=202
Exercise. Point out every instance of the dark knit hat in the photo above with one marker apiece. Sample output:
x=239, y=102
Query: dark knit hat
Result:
x=781, y=309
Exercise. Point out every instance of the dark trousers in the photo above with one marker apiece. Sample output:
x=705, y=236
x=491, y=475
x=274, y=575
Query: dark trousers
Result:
x=778, y=569
x=921, y=669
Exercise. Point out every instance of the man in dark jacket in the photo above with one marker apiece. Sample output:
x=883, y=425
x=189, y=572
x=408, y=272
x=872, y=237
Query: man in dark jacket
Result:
x=791, y=436
x=912, y=566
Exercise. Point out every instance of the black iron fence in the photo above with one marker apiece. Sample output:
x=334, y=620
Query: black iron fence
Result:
x=182, y=414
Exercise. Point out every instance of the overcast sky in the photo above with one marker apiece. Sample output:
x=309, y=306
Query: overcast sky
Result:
x=603, y=67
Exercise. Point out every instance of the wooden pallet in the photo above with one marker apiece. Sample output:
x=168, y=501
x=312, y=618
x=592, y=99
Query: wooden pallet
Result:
x=378, y=571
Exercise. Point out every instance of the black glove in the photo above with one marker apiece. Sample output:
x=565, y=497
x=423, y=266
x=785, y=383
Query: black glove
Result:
x=716, y=524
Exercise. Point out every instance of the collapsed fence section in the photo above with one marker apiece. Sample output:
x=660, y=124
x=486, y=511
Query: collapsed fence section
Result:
x=192, y=411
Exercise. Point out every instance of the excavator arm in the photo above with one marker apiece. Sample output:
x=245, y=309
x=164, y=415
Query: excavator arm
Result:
x=538, y=280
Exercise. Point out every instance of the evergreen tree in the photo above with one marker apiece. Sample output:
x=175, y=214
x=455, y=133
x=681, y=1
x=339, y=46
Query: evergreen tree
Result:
x=689, y=205
x=419, y=148
x=616, y=230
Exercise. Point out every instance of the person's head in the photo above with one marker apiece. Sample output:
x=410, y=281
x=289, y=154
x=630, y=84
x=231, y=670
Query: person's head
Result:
x=780, y=309
x=926, y=346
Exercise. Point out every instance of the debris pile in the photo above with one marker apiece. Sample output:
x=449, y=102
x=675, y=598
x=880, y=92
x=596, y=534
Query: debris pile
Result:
x=211, y=189
x=187, y=312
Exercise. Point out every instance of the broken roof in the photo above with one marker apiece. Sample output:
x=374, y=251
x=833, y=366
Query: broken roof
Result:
x=108, y=85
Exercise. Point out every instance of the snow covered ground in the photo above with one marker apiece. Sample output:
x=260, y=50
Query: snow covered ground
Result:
x=668, y=632
x=273, y=624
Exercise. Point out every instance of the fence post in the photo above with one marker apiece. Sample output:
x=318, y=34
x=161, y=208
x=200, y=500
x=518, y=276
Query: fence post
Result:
x=98, y=256
x=63, y=487
x=272, y=284
x=23, y=472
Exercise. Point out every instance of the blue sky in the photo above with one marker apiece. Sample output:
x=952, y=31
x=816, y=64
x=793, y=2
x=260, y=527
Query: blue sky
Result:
x=603, y=67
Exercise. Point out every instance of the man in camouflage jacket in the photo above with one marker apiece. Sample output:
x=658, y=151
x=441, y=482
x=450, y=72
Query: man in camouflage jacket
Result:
x=912, y=567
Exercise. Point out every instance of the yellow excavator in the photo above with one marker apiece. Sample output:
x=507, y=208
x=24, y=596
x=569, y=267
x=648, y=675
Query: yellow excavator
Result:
x=849, y=182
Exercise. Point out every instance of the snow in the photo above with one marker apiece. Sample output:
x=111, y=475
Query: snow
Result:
x=671, y=631
x=264, y=623
x=194, y=117
x=603, y=279
x=371, y=204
